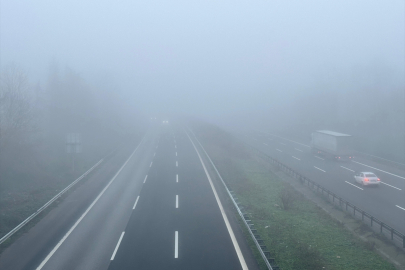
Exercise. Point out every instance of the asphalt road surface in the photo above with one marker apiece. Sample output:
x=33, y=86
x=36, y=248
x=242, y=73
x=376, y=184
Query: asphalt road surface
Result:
x=386, y=202
x=152, y=206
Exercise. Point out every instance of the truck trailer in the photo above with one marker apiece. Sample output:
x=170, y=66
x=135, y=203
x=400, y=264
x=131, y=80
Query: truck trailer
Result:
x=332, y=144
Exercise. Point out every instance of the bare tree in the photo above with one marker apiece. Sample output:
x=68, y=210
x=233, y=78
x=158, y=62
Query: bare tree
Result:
x=16, y=108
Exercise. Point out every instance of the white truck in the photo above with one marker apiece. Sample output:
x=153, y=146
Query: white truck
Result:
x=332, y=144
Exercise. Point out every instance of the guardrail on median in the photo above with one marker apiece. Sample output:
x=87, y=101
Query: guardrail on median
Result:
x=395, y=236
x=250, y=227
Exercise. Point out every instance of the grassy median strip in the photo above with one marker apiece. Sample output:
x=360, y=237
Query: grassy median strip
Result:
x=298, y=234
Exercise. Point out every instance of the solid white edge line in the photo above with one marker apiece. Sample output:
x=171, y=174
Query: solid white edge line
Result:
x=228, y=225
x=176, y=244
x=402, y=164
x=400, y=207
x=85, y=213
x=145, y=179
x=296, y=158
x=389, y=185
x=177, y=178
x=354, y=185
x=135, y=203
x=378, y=169
x=117, y=246
x=279, y=150
x=347, y=169
x=237, y=208
x=319, y=157
x=319, y=169
x=177, y=201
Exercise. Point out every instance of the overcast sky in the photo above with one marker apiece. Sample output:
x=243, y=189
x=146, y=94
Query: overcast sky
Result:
x=205, y=57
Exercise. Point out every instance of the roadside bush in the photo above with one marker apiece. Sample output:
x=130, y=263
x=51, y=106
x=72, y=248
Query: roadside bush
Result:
x=308, y=258
x=287, y=197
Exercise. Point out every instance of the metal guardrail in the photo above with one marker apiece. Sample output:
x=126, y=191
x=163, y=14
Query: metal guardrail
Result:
x=57, y=196
x=395, y=236
x=256, y=238
x=36, y=213
x=42, y=208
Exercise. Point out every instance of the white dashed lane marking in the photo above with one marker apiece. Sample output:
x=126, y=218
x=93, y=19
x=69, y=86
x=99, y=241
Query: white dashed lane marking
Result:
x=135, y=203
x=390, y=185
x=400, y=207
x=378, y=169
x=118, y=245
x=176, y=244
x=319, y=169
x=347, y=169
x=354, y=185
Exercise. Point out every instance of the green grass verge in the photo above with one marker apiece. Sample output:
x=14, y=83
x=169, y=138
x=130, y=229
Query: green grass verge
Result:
x=298, y=234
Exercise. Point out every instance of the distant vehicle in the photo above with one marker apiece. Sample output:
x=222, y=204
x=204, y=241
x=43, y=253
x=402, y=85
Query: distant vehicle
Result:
x=165, y=122
x=332, y=144
x=367, y=178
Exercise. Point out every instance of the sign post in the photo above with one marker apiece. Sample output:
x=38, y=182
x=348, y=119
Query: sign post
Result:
x=73, y=146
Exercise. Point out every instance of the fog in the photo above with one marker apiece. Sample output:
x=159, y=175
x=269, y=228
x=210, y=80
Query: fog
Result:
x=83, y=81
x=263, y=64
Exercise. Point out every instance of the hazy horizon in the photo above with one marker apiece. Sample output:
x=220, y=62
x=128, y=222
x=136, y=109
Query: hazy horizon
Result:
x=209, y=59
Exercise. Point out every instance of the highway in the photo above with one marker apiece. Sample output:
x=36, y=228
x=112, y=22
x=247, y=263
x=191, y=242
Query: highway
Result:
x=386, y=202
x=152, y=206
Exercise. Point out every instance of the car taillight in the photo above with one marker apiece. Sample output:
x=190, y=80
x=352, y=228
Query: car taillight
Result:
x=350, y=157
x=365, y=179
x=378, y=179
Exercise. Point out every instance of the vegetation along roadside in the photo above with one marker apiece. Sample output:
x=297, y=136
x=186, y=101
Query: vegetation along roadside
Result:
x=298, y=234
